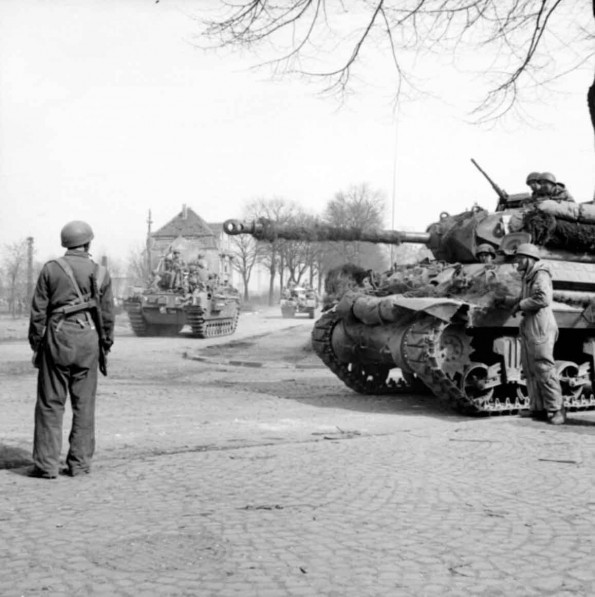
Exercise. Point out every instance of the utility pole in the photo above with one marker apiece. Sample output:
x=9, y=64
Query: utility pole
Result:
x=148, y=244
x=29, y=269
x=394, y=191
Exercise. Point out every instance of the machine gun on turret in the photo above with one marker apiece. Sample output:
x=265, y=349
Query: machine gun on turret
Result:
x=505, y=201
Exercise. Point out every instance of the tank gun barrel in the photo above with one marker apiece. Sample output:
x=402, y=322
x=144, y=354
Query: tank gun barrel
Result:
x=267, y=230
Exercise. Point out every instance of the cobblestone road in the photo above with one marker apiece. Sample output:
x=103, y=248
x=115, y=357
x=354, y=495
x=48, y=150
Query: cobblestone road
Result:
x=231, y=481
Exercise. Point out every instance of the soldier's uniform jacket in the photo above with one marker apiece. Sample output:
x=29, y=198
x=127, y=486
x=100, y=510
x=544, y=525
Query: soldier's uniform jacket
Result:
x=559, y=193
x=55, y=291
x=539, y=323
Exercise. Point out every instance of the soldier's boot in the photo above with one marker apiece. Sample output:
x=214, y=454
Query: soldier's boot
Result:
x=556, y=417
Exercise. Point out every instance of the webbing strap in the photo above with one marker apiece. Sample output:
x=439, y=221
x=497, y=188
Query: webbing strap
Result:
x=68, y=271
x=82, y=305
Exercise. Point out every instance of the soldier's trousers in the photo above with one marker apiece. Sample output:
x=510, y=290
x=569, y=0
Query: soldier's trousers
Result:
x=68, y=365
x=539, y=367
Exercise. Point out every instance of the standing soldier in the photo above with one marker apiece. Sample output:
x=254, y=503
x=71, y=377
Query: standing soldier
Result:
x=70, y=332
x=538, y=333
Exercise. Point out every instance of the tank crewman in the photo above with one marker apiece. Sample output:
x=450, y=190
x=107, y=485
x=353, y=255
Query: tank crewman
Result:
x=178, y=266
x=538, y=334
x=73, y=296
x=203, y=269
x=485, y=253
x=549, y=188
x=533, y=183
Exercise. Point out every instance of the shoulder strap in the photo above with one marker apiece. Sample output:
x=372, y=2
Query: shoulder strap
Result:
x=68, y=271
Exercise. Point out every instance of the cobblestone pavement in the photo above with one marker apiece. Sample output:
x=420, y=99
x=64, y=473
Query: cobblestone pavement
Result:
x=221, y=480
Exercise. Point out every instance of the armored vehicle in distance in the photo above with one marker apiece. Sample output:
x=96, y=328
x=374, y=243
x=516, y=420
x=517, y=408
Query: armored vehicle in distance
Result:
x=190, y=284
x=297, y=300
x=179, y=295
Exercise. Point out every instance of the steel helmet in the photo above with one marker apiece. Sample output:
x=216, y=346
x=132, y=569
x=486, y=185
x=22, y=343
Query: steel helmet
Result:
x=533, y=176
x=528, y=250
x=76, y=234
x=547, y=177
x=485, y=248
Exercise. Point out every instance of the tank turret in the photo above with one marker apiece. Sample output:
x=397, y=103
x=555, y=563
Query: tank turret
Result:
x=440, y=324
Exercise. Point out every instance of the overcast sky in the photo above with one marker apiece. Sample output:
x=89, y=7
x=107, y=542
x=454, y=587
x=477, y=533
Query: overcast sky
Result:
x=107, y=110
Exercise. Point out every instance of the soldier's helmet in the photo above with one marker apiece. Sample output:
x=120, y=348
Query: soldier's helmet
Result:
x=547, y=177
x=528, y=250
x=533, y=177
x=485, y=248
x=76, y=234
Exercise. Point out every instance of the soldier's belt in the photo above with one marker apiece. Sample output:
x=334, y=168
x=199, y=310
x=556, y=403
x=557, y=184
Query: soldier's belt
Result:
x=76, y=308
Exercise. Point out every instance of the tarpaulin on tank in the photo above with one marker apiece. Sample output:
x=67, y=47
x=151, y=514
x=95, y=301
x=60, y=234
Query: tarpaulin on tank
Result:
x=373, y=310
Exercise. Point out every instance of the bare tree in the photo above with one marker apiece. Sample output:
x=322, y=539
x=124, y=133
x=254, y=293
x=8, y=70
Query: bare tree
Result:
x=358, y=207
x=245, y=253
x=528, y=43
x=15, y=276
x=137, y=266
x=281, y=211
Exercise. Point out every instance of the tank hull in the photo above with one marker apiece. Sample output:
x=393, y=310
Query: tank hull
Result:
x=463, y=350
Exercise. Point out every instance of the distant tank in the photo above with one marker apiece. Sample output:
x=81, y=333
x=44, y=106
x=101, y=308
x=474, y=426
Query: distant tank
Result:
x=438, y=325
x=297, y=300
x=180, y=294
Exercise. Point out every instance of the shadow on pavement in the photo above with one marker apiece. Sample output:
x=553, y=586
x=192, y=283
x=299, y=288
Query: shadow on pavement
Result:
x=324, y=395
x=571, y=420
x=13, y=457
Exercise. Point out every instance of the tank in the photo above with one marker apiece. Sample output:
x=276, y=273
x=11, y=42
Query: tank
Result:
x=297, y=300
x=180, y=294
x=438, y=326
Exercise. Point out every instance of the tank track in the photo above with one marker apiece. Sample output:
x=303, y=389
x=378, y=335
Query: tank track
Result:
x=202, y=327
x=424, y=354
x=138, y=323
x=422, y=349
x=364, y=380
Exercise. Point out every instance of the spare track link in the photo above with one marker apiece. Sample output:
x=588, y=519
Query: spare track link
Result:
x=370, y=380
x=211, y=328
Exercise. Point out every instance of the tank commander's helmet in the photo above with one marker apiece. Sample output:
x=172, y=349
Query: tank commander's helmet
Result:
x=533, y=177
x=547, y=177
x=485, y=248
x=76, y=234
x=527, y=250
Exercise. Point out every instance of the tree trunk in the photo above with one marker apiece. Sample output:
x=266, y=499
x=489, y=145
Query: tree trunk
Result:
x=246, y=279
x=591, y=100
x=272, y=286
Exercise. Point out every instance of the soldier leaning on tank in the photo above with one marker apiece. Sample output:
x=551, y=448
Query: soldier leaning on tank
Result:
x=538, y=334
x=66, y=344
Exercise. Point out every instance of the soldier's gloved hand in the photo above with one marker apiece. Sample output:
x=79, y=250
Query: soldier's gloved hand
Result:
x=505, y=302
x=107, y=344
x=34, y=359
